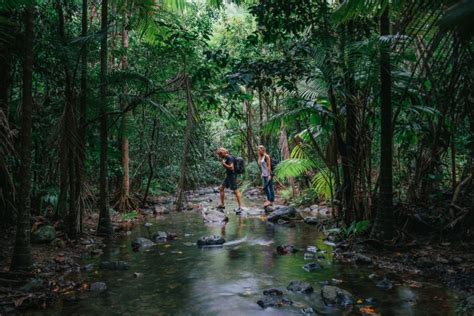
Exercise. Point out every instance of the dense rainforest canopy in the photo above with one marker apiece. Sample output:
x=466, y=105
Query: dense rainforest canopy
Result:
x=368, y=105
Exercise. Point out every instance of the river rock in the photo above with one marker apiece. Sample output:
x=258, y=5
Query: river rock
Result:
x=213, y=240
x=308, y=311
x=300, y=287
x=273, y=292
x=142, y=243
x=98, y=287
x=311, y=220
x=44, y=234
x=362, y=259
x=286, y=250
x=310, y=267
x=274, y=301
x=160, y=237
x=284, y=213
x=214, y=216
x=114, y=265
x=333, y=295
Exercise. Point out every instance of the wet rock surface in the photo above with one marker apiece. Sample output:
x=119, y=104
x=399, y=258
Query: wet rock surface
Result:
x=142, y=243
x=213, y=240
x=333, y=295
x=274, y=298
x=310, y=267
x=282, y=213
x=300, y=287
x=214, y=216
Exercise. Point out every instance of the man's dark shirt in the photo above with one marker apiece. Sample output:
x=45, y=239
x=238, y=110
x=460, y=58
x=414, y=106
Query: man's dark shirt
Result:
x=230, y=160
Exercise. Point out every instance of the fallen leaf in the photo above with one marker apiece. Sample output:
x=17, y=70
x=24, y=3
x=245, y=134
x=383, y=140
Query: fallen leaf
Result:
x=368, y=310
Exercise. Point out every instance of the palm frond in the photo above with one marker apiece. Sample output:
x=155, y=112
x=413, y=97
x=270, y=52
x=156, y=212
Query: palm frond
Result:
x=293, y=167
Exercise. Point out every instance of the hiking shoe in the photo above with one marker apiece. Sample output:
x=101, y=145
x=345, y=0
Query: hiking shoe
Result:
x=220, y=207
x=238, y=210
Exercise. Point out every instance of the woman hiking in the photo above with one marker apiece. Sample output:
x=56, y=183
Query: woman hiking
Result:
x=265, y=163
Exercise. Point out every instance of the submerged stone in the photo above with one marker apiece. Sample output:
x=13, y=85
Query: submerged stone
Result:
x=213, y=240
x=160, y=237
x=114, y=265
x=333, y=295
x=273, y=292
x=142, y=243
x=310, y=267
x=300, y=287
x=286, y=250
x=98, y=287
x=274, y=301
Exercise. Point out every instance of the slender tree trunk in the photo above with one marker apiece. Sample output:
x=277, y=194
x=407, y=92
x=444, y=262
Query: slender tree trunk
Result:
x=125, y=202
x=5, y=71
x=150, y=161
x=82, y=118
x=105, y=225
x=187, y=143
x=385, y=221
x=21, y=259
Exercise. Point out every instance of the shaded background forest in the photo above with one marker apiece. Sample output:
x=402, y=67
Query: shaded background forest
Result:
x=368, y=104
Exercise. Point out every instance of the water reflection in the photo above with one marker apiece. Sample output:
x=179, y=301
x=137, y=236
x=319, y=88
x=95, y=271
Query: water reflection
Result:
x=181, y=279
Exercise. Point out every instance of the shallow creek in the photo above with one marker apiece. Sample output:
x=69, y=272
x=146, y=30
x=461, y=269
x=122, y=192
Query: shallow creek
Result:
x=178, y=278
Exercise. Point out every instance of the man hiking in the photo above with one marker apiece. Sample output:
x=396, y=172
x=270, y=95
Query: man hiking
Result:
x=228, y=162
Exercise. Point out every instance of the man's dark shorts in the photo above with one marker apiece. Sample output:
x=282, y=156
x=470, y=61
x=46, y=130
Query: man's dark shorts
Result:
x=230, y=182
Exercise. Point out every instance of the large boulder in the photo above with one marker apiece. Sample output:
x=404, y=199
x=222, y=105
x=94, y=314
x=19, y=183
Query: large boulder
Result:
x=333, y=295
x=284, y=213
x=44, y=234
x=142, y=243
x=207, y=241
x=300, y=287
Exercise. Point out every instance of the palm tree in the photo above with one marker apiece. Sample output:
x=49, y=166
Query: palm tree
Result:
x=21, y=259
x=105, y=225
x=385, y=221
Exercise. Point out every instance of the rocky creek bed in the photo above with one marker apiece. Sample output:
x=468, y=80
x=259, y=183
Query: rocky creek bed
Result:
x=205, y=262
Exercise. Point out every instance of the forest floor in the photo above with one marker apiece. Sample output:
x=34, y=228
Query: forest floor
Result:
x=58, y=265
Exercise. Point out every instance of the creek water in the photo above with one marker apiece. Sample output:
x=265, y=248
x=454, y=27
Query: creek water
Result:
x=178, y=278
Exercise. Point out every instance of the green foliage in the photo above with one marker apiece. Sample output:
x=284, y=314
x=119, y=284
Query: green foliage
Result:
x=354, y=230
x=129, y=216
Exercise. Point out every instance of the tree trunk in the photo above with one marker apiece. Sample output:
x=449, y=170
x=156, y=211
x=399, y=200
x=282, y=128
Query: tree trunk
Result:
x=81, y=153
x=105, y=225
x=187, y=143
x=124, y=201
x=385, y=221
x=5, y=70
x=21, y=259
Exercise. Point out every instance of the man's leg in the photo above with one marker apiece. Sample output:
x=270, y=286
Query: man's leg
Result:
x=222, y=194
x=237, y=196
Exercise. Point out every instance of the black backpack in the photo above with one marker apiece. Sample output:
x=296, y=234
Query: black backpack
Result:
x=273, y=164
x=239, y=165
